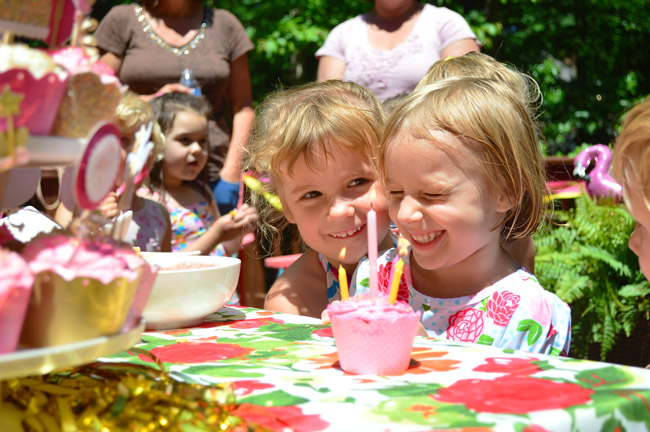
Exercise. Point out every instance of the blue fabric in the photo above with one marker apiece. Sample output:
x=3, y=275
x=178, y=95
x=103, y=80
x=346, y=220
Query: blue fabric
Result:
x=226, y=195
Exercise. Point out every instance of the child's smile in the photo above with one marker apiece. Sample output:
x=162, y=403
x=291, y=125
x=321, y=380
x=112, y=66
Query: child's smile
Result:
x=330, y=201
x=440, y=203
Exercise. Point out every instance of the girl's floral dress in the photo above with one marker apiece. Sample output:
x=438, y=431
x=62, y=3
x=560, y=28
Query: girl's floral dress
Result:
x=515, y=312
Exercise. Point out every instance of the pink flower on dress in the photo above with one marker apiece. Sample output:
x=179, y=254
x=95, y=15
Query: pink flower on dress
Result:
x=541, y=310
x=466, y=325
x=384, y=281
x=501, y=306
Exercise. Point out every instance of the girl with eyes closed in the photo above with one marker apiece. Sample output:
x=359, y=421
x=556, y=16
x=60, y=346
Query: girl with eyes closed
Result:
x=462, y=169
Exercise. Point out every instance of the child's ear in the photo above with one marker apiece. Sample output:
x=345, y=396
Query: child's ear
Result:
x=504, y=202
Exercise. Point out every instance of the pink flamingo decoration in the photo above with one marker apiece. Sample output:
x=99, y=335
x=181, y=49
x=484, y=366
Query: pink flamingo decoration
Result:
x=600, y=182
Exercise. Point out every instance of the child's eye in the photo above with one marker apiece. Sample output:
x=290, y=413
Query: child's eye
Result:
x=395, y=193
x=431, y=196
x=359, y=181
x=310, y=195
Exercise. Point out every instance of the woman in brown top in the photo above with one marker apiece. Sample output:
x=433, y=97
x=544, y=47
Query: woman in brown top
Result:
x=149, y=45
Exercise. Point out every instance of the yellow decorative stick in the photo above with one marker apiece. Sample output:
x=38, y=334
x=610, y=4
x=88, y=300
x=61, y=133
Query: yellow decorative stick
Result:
x=343, y=277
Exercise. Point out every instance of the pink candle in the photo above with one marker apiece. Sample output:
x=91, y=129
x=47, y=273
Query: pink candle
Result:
x=372, y=245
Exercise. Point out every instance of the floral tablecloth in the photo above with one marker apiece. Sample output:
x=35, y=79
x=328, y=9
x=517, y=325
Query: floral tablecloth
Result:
x=286, y=376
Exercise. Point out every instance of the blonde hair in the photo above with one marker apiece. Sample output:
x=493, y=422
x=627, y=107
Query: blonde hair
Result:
x=480, y=65
x=303, y=122
x=632, y=150
x=131, y=113
x=493, y=123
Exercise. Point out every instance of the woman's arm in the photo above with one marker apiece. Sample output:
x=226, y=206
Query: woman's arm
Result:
x=240, y=101
x=330, y=68
x=458, y=48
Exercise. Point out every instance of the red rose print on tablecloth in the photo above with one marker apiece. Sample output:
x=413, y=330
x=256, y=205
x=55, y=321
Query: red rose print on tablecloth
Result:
x=197, y=352
x=245, y=387
x=501, y=306
x=466, y=325
x=323, y=332
x=384, y=281
x=513, y=394
x=509, y=365
x=280, y=418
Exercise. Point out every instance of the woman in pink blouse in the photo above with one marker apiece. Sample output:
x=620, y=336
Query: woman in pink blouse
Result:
x=389, y=49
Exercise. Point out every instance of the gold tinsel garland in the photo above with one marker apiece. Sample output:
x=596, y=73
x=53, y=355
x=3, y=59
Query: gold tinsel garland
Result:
x=108, y=397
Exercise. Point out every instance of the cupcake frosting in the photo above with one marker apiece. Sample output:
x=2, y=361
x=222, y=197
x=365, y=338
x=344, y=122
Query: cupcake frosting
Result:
x=15, y=274
x=370, y=309
x=71, y=258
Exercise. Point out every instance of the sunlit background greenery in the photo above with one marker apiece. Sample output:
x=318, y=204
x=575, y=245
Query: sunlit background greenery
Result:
x=590, y=57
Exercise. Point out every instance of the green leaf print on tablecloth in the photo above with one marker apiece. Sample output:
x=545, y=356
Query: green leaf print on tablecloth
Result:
x=426, y=411
x=274, y=398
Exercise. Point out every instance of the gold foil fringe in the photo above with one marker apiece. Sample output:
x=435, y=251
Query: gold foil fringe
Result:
x=110, y=397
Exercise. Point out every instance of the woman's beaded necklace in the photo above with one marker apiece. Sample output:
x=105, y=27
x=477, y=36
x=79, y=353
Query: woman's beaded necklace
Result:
x=179, y=51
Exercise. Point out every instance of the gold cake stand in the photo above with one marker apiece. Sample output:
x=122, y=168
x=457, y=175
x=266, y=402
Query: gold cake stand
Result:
x=39, y=361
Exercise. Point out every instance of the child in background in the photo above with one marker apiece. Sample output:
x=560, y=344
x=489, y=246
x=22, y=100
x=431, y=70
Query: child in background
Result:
x=631, y=168
x=150, y=229
x=176, y=181
x=479, y=65
x=318, y=144
x=463, y=171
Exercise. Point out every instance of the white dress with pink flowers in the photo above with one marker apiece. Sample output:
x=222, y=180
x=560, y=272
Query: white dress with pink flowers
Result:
x=515, y=312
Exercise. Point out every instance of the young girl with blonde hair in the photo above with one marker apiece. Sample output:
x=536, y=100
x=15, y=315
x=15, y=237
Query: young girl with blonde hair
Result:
x=631, y=168
x=463, y=172
x=479, y=65
x=318, y=144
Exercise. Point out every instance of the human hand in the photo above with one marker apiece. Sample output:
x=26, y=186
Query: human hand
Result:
x=238, y=222
x=168, y=88
x=109, y=206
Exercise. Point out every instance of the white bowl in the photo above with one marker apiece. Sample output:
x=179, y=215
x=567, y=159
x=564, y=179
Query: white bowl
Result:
x=184, y=297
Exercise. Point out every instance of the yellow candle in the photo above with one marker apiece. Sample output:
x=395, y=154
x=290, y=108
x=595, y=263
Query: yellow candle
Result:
x=343, y=277
x=394, y=285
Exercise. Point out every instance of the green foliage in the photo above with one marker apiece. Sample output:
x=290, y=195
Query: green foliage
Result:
x=583, y=257
x=589, y=56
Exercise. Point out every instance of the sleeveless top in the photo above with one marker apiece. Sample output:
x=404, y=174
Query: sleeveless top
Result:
x=515, y=312
x=189, y=223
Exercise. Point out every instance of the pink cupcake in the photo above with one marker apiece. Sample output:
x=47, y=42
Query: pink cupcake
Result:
x=15, y=289
x=373, y=336
x=82, y=289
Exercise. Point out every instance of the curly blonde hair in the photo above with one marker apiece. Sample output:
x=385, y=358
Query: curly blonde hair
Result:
x=302, y=122
x=632, y=149
x=494, y=124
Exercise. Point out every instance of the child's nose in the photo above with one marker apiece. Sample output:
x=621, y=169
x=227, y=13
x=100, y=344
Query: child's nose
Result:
x=409, y=211
x=341, y=208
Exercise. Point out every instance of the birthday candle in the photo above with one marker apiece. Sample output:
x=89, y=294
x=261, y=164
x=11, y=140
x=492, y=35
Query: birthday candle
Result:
x=343, y=277
x=372, y=245
x=397, y=275
x=398, y=268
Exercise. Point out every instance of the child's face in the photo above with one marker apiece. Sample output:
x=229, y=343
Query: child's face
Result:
x=640, y=239
x=439, y=203
x=186, y=147
x=330, y=204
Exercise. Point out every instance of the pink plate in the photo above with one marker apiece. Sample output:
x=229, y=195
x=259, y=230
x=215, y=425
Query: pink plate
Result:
x=99, y=166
